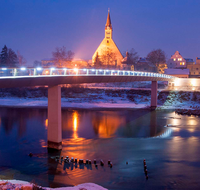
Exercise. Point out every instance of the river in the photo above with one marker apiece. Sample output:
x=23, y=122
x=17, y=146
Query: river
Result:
x=172, y=153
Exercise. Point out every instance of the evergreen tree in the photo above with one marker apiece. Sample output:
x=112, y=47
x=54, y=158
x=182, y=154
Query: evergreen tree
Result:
x=12, y=58
x=4, y=56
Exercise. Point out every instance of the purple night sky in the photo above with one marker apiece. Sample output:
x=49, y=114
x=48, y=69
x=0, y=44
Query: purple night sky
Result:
x=36, y=27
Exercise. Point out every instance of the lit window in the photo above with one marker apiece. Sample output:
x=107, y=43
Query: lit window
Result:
x=180, y=63
x=174, y=59
x=183, y=63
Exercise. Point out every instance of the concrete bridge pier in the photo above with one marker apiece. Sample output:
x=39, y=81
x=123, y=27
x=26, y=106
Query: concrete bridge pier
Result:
x=54, y=131
x=154, y=88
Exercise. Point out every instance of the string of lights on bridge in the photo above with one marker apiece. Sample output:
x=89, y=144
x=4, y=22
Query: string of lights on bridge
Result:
x=23, y=71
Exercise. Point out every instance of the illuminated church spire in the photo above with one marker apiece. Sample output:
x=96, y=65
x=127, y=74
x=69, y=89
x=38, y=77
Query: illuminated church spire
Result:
x=108, y=27
x=108, y=47
x=108, y=23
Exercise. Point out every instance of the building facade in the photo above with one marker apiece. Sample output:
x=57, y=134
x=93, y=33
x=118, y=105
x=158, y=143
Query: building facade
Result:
x=145, y=65
x=194, y=70
x=107, y=51
x=197, y=60
x=176, y=61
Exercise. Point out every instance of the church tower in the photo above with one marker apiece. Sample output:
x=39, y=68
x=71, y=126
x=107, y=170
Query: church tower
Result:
x=108, y=45
x=108, y=27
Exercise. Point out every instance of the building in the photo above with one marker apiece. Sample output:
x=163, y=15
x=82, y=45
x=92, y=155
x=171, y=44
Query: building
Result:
x=189, y=61
x=80, y=63
x=177, y=61
x=47, y=62
x=181, y=73
x=197, y=60
x=127, y=64
x=145, y=65
x=107, y=51
x=194, y=70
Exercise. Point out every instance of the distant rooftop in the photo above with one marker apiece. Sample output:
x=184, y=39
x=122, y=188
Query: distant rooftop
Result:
x=189, y=59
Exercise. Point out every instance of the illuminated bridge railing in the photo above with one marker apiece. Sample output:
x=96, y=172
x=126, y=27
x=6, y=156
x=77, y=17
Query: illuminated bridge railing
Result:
x=39, y=71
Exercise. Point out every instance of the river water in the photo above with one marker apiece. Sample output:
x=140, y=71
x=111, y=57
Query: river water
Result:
x=172, y=153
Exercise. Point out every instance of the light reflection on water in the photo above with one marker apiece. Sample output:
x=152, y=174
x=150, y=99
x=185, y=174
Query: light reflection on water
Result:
x=120, y=136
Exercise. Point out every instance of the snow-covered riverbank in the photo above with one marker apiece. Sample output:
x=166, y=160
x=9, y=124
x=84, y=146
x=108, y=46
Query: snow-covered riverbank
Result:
x=128, y=99
x=23, y=185
x=87, y=98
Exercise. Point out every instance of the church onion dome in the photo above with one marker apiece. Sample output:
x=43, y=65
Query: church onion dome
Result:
x=108, y=22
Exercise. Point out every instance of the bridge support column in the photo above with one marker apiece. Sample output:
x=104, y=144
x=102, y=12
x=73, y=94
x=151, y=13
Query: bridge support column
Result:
x=154, y=87
x=54, y=131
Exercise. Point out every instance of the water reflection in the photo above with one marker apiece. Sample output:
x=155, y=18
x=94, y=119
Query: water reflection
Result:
x=75, y=124
x=78, y=125
x=89, y=134
x=46, y=123
x=105, y=123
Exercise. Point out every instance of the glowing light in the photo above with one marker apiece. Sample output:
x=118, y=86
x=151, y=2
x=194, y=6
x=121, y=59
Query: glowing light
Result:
x=23, y=68
x=46, y=72
x=177, y=82
x=64, y=69
x=84, y=69
x=39, y=68
x=52, y=68
x=75, y=124
x=76, y=70
x=193, y=82
x=46, y=123
x=93, y=69
x=3, y=69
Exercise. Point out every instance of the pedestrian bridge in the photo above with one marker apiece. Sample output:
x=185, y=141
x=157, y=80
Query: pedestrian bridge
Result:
x=21, y=77
x=54, y=77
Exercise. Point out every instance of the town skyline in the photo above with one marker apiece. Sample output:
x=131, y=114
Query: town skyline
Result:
x=157, y=25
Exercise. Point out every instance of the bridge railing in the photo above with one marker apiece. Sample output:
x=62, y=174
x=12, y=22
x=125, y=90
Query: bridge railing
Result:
x=39, y=71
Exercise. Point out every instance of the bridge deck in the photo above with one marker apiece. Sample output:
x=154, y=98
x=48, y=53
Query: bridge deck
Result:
x=21, y=77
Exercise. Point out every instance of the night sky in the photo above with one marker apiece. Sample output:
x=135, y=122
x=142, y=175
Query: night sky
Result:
x=36, y=27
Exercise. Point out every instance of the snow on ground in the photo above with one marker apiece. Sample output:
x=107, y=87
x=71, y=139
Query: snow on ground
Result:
x=101, y=96
x=23, y=185
x=111, y=99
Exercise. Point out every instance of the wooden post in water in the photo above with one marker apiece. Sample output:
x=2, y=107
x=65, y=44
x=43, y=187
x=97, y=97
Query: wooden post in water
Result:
x=54, y=129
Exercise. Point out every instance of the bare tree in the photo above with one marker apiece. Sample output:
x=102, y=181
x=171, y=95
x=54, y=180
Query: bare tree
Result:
x=97, y=61
x=108, y=58
x=37, y=63
x=21, y=59
x=62, y=57
x=157, y=57
x=132, y=57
